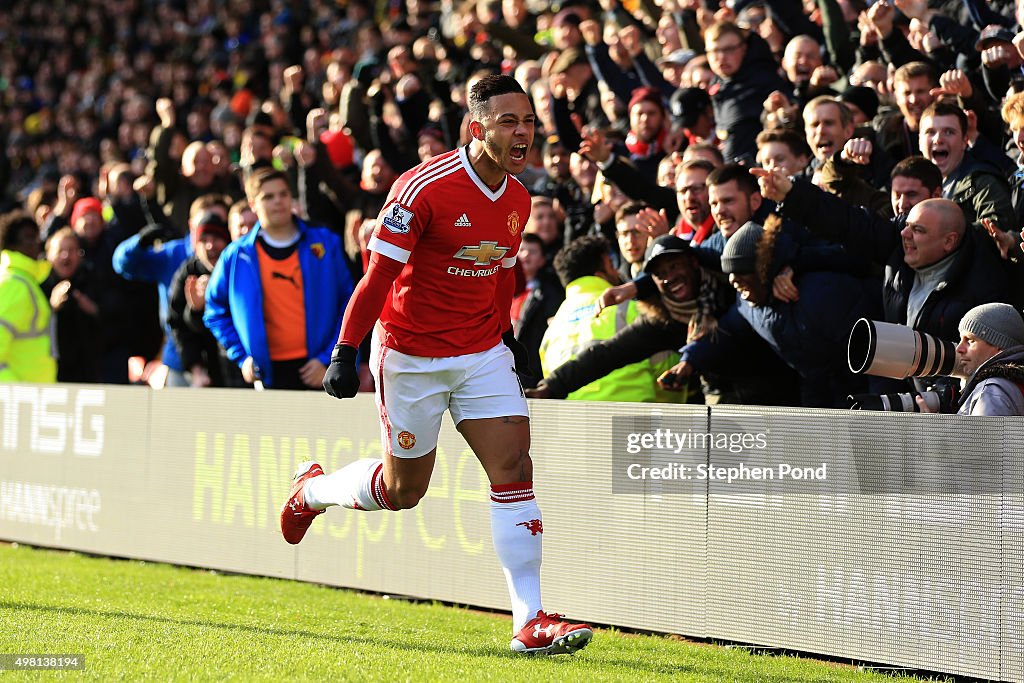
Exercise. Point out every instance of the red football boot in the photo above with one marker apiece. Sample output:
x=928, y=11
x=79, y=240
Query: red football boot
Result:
x=296, y=516
x=547, y=634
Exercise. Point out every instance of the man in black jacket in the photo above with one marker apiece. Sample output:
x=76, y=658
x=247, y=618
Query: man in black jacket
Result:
x=936, y=269
x=746, y=75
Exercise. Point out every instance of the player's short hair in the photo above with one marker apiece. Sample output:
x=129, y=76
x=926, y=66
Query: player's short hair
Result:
x=790, y=138
x=920, y=168
x=581, y=257
x=11, y=226
x=845, y=115
x=490, y=86
x=729, y=172
x=629, y=209
x=914, y=70
x=946, y=108
x=255, y=182
x=1013, y=110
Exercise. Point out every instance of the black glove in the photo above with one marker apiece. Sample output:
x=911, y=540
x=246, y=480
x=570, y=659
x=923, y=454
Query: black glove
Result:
x=151, y=233
x=341, y=379
x=519, y=354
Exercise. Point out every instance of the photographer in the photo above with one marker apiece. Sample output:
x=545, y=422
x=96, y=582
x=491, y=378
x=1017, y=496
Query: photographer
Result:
x=990, y=359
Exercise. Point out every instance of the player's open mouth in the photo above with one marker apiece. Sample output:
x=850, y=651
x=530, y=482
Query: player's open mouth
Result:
x=518, y=152
x=940, y=155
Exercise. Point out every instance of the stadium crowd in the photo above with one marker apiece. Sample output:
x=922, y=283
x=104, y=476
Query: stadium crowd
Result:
x=718, y=192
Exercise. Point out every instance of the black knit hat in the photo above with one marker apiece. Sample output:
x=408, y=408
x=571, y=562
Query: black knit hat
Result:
x=865, y=98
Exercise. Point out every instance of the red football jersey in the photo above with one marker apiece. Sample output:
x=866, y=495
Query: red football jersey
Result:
x=455, y=236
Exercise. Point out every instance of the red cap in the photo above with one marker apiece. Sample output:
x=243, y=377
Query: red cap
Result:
x=646, y=94
x=84, y=206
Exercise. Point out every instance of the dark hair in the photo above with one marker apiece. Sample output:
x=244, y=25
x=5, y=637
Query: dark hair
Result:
x=580, y=258
x=729, y=172
x=490, y=86
x=12, y=225
x=797, y=143
x=533, y=238
x=920, y=168
x=946, y=108
x=629, y=209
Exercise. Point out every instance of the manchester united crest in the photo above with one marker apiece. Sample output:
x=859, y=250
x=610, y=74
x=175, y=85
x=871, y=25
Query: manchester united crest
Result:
x=513, y=223
x=406, y=440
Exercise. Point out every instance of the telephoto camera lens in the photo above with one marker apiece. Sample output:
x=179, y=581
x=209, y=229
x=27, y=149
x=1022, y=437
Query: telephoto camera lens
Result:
x=897, y=351
x=894, y=403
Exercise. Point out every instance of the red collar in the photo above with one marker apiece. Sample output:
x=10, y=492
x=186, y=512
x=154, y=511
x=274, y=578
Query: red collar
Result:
x=695, y=234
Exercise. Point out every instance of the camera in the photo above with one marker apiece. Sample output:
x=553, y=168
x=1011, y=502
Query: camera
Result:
x=897, y=351
x=942, y=397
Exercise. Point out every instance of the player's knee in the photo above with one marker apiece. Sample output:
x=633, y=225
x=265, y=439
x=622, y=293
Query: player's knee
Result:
x=517, y=465
x=405, y=497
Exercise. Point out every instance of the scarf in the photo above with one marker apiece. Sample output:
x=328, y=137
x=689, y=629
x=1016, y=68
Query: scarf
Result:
x=643, y=150
x=698, y=314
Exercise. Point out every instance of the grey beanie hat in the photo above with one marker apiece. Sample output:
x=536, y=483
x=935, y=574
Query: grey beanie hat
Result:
x=740, y=255
x=1001, y=325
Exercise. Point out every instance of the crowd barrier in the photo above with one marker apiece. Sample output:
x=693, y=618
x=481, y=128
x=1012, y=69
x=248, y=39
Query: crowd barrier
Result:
x=886, y=538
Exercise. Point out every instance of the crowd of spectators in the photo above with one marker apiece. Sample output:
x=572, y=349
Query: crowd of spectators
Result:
x=825, y=159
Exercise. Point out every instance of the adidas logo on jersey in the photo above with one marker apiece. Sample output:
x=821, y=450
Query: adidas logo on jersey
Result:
x=463, y=222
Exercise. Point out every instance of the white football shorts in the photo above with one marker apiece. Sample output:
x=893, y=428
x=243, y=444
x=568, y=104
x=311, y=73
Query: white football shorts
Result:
x=413, y=392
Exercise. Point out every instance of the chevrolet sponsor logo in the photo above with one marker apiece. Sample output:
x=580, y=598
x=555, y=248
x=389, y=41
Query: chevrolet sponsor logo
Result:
x=482, y=254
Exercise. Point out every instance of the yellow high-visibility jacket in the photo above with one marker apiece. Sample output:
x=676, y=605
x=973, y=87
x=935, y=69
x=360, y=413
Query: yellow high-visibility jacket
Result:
x=26, y=341
x=574, y=327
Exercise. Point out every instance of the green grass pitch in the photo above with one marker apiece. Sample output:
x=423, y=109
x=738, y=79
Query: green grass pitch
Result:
x=136, y=620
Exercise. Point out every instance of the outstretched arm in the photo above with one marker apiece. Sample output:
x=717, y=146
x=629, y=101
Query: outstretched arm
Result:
x=368, y=299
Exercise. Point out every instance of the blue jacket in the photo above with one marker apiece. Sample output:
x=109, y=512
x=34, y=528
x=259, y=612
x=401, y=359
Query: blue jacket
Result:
x=155, y=264
x=234, y=297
